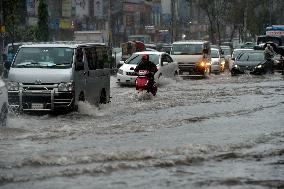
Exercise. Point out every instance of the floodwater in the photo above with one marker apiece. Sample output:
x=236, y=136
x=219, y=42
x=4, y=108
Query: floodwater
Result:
x=220, y=132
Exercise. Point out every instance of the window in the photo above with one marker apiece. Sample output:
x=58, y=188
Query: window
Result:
x=51, y=57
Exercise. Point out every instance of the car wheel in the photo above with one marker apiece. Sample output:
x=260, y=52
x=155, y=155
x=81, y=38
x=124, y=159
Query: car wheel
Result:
x=3, y=115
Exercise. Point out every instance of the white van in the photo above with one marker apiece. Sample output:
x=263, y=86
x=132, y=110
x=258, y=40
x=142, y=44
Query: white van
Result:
x=193, y=57
x=56, y=76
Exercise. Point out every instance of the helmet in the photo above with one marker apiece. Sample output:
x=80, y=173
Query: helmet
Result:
x=145, y=57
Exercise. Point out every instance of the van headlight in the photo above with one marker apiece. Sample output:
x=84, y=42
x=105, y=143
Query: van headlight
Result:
x=202, y=64
x=64, y=87
x=259, y=66
x=13, y=86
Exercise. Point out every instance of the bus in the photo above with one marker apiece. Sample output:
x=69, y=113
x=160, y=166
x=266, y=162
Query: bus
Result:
x=143, y=38
x=275, y=30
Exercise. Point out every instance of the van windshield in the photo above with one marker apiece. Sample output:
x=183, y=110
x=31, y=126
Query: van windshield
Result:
x=187, y=49
x=44, y=57
x=214, y=54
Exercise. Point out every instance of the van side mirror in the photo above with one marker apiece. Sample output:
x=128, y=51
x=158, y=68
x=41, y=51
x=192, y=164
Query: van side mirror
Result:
x=7, y=64
x=79, y=66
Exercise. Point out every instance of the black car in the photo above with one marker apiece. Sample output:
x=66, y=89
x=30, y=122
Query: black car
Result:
x=246, y=62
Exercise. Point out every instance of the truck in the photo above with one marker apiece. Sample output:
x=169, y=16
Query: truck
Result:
x=130, y=47
x=274, y=36
x=193, y=57
x=91, y=36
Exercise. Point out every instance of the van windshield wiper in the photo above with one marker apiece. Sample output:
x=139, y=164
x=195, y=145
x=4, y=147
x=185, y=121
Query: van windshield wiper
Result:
x=35, y=64
x=27, y=64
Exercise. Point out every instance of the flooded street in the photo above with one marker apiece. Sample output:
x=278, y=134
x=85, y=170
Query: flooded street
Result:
x=220, y=132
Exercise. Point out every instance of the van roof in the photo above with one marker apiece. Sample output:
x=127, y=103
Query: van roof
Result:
x=68, y=44
x=191, y=42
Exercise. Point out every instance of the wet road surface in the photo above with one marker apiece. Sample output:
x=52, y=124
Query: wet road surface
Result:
x=220, y=132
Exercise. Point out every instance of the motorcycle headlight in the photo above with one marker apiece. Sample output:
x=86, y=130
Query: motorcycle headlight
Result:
x=13, y=86
x=120, y=71
x=64, y=87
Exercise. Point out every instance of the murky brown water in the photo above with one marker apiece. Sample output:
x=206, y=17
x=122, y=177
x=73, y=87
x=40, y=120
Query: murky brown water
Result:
x=221, y=132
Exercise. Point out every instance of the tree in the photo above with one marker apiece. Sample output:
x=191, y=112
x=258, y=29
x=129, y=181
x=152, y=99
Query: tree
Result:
x=43, y=33
x=13, y=18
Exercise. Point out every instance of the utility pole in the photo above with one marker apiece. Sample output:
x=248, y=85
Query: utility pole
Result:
x=2, y=32
x=172, y=21
x=109, y=25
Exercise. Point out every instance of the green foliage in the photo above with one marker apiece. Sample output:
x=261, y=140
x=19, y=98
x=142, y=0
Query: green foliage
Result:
x=43, y=33
x=12, y=18
x=249, y=17
x=14, y=21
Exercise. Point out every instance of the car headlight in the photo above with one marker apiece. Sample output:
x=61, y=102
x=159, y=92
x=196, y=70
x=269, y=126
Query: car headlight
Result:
x=120, y=71
x=259, y=66
x=63, y=87
x=202, y=64
x=13, y=86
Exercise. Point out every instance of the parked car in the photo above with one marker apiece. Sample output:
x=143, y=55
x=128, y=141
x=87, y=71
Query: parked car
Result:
x=166, y=67
x=235, y=54
x=3, y=103
x=247, y=61
x=216, y=66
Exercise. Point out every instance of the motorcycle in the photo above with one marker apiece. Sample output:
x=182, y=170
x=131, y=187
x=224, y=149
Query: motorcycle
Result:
x=266, y=67
x=143, y=82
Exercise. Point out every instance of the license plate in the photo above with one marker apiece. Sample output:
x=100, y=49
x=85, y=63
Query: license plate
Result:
x=37, y=106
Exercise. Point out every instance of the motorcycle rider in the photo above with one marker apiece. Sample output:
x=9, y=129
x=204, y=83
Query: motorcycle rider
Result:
x=269, y=54
x=146, y=64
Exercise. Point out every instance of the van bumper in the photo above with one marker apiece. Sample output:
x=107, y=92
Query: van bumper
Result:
x=191, y=69
x=38, y=100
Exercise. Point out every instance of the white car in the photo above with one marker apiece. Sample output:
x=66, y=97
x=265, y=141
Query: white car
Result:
x=216, y=66
x=165, y=64
x=3, y=103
